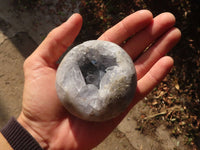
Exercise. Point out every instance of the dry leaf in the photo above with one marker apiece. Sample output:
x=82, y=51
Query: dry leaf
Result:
x=177, y=86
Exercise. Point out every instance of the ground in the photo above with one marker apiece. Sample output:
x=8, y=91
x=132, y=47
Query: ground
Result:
x=167, y=119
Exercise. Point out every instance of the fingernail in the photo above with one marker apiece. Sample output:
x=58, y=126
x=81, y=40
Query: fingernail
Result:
x=73, y=15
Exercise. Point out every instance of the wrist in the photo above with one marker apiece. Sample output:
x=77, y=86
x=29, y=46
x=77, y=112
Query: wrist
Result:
x=29, y=126
x=18, y=137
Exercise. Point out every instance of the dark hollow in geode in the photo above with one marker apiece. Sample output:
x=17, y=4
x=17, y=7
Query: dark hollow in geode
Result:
x=96, y=80
x=93, y=66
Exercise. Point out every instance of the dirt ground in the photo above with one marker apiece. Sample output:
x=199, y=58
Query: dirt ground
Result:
x=21, y=30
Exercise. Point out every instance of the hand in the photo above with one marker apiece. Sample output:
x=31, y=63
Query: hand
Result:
x=44, y=116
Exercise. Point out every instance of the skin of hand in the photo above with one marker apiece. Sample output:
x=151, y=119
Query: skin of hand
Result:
x=44, y=117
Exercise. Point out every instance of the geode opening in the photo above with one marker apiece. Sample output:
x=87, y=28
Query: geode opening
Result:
x=93, y=66
x=96, y=80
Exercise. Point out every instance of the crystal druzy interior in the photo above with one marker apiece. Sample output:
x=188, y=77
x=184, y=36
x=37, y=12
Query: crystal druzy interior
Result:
x=93, y=66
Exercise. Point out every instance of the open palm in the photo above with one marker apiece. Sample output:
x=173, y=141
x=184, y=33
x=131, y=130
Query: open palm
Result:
x=44, y=116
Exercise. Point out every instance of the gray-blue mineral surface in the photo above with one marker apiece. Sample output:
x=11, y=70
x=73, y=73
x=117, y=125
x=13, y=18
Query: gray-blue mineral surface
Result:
x=96, y=80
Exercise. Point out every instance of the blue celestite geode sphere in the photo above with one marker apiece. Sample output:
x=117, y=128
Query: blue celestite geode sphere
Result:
x=96, y=80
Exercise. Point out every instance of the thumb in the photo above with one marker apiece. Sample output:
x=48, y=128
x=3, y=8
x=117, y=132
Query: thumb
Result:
x=58, y=40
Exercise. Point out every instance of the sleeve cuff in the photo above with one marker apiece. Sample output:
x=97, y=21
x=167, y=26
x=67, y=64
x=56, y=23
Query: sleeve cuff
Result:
x=18, y=137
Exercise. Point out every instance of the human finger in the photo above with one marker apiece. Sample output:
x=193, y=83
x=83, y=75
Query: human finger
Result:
x=143, y=39
x=148, y=82
x=158, y=50
x=127, y=27
x=153, y=77
x=58, y=40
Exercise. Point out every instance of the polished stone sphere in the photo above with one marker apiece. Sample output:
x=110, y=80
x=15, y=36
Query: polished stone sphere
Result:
x=96, y=80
